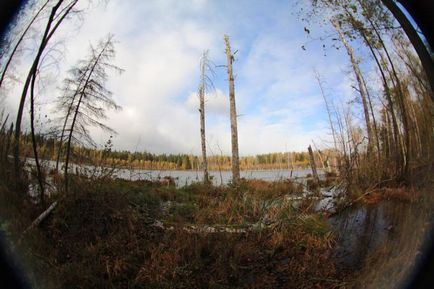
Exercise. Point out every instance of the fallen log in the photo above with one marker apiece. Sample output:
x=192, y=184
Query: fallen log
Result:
x=41, y=217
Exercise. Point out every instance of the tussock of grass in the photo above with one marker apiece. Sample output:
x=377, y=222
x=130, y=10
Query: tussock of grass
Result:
x=100, y=237
x=270, y=259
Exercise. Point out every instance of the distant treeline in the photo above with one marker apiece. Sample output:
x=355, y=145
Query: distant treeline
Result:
x=147, y=160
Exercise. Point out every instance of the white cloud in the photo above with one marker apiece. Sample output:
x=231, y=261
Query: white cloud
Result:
x=216, y=103
x=159, y=46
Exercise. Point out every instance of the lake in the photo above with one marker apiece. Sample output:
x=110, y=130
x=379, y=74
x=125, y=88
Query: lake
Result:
x=182, y=178
x=218, y=178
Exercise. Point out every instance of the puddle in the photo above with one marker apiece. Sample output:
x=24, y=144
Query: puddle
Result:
x=361, y=229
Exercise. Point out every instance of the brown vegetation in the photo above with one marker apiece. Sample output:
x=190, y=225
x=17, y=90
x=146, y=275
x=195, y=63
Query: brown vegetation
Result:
x=101, y=235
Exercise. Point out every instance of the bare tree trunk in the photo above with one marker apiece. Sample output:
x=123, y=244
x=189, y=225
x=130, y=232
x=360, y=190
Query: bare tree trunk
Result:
x=68, y=145
x=14, y=50
x=202, y=117
x=343, y=163
x=2, y=129
x=374, y=122
x=62, y=134
x=336, y=159
x=8, y=143
x=321, y=159
x=313, y=165
x=32, y=132
x=417, y=136
x=399, y=145
x=401, y=101
x=318, y=78
x=3, y=137
x=233, y=112
x=219, y=164
x=387, y=134
x=359, y=78
x=31, y=73
x=41, y=217
x=388, y=96
x=48, y=33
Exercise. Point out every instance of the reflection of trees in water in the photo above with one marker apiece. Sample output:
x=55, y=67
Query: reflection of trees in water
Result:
x=361, y=230
x=381, y=241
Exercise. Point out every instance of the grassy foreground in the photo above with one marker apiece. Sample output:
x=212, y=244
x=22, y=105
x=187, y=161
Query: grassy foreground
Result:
x=138, y=234
x=103, y=235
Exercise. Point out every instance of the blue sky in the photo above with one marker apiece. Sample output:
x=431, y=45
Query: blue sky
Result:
x=159, y=46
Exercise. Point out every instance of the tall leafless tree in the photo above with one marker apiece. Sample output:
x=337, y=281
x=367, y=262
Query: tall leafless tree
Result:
x=328, y=108
x=233, y=114
x=89, y=97
x=58, y=14
x=204, y=85
x=66, y=104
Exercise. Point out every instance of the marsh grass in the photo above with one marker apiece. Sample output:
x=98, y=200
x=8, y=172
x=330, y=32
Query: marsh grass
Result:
x=100, y=236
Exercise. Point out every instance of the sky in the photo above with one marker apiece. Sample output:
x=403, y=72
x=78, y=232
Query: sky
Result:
x=159, y=44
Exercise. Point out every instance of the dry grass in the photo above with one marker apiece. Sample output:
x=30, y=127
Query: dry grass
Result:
x=403, y=194
x=269, y=259
x=99, y=237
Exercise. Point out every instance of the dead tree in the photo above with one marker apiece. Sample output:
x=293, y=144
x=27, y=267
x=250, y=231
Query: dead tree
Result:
x=329, y=113
x=41, y=218
x=324, y=162
x=313, y=165
x=91, y=96
x=205, y=82
x=233, y=113
x=68, y=102
x=318, y=78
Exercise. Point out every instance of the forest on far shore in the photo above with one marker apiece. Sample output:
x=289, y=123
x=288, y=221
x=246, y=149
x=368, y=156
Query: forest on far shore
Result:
x=152, y=161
